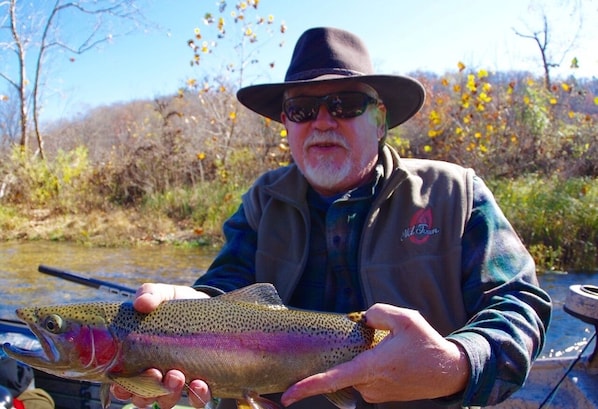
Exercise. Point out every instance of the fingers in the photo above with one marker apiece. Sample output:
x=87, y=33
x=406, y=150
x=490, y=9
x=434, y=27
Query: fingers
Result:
x=120, y=393
x=357, y=371
x=337, y=378
x=199, y=394
x=150, y=295
x=384, y=316
x=174, y=381
x=397, y=320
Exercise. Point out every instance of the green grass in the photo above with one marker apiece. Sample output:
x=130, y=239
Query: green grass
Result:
x=557, y=219
x=203, y=208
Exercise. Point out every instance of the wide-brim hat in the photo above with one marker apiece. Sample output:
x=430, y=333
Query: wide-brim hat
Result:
x=330, y=54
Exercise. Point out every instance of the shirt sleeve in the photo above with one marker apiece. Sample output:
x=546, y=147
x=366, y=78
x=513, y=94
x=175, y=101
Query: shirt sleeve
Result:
x=510, y=312
x=234, y=266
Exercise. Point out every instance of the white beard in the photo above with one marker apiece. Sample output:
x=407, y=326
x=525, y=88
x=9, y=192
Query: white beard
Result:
x=326, y=174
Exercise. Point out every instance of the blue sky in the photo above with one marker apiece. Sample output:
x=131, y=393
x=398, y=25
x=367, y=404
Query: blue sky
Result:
x=403, y=36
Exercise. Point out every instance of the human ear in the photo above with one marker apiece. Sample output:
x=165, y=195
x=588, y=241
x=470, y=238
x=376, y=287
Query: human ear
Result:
x=381, y=121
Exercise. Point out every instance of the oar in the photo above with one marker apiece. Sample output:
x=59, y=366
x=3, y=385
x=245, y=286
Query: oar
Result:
x=89, y=282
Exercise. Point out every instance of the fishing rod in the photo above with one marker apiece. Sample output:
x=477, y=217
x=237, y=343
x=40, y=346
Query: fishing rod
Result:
x=89, y=282
x=554, y=390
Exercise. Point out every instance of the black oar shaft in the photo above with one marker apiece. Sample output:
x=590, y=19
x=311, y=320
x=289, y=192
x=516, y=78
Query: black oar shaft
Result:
x=89, y=282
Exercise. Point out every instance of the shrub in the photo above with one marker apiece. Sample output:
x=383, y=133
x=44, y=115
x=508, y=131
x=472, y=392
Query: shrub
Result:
x=59, y=184
x=187, y=158
x=557, y=218
x=506, y=127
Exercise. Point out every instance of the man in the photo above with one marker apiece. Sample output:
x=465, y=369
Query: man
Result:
x=421, y=245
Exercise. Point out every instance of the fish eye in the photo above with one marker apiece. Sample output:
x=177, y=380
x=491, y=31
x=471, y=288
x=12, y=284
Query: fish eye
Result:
x=53, y=323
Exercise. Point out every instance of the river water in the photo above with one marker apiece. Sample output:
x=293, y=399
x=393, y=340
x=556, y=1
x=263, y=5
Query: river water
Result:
x=22, y=285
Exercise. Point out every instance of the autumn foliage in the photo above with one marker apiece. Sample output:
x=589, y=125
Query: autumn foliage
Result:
x=507, y=124
x=188, y=157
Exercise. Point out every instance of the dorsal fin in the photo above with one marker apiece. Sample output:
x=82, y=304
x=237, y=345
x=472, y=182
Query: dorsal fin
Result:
x=263, y=294
x=254, y=401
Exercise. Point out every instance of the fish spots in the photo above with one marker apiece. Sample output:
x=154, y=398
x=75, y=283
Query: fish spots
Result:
x=239, y=341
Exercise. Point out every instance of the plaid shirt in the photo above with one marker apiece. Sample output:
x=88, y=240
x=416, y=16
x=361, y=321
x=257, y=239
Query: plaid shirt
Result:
x=336, y=226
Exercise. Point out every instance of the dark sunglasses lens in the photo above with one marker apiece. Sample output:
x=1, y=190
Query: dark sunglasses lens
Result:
x=348, y=105
x=301, y=109
x=344, y=106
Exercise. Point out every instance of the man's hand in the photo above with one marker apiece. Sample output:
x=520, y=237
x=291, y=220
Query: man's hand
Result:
x=148, y=297
x=413, y=362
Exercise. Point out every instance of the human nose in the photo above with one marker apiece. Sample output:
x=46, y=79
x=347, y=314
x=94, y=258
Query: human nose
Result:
x=324, y=120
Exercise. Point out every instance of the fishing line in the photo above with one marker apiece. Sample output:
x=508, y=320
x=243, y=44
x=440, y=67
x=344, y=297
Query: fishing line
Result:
x=212, y=404
x=556, y=387
x=195, y=393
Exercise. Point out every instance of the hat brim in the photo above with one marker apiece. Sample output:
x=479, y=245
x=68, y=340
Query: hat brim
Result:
x=403, y=96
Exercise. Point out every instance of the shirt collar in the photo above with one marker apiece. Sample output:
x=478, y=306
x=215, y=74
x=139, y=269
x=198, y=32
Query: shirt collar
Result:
x=361, y=192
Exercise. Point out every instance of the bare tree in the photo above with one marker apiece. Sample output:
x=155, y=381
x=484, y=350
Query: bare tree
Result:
x=552, y=52
x=32, y=33
x=9, y=119
x=245, y=30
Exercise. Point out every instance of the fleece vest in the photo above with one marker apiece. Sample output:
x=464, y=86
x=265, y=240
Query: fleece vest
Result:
x=410, y=248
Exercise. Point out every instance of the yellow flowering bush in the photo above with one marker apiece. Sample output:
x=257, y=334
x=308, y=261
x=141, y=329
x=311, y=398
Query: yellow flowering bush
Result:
x=505, y=127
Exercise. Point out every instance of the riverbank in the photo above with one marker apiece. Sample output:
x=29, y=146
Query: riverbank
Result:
x=98, y=228
x=556, y=218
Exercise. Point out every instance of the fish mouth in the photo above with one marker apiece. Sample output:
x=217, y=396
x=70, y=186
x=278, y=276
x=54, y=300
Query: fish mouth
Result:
x=21, y=354
x=68, y=347
x=44, y=356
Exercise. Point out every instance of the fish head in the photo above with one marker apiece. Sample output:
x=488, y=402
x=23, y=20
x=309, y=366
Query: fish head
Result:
x=76, y=341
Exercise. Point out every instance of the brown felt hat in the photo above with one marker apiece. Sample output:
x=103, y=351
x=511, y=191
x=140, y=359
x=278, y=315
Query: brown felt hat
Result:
x=329, y=54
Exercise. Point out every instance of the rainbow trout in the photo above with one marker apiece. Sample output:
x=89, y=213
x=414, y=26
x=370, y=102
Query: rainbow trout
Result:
x=243, y=344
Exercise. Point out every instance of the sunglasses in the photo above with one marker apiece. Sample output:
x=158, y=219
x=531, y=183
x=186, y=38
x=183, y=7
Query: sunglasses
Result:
x=343, y=105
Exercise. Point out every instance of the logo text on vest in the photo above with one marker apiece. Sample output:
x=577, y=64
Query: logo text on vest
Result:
x=421, y=227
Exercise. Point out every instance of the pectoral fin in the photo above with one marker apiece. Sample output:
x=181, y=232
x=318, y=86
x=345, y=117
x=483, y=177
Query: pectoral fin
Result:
x=142, y=385
x=343, y=399
x=105, y=395
x=254, y=401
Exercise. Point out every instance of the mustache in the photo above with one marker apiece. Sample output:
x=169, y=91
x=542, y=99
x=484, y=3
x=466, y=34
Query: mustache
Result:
x=328, y=137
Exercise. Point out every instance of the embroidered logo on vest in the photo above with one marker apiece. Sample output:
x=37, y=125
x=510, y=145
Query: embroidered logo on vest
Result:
x=421, y=227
